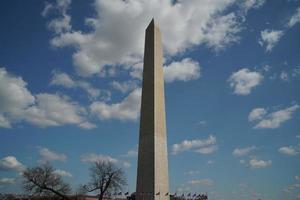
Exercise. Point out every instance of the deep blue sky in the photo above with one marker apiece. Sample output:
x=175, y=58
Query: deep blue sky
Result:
x=241, y=55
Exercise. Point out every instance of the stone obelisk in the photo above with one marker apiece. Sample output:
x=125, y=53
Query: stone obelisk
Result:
x=152, y=172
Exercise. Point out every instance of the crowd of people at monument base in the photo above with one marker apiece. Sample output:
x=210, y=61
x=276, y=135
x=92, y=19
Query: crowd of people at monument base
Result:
x=93, y=197
x=174, y=196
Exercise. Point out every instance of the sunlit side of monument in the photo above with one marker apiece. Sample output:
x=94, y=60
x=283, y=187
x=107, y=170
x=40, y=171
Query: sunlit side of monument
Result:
x=152, y=172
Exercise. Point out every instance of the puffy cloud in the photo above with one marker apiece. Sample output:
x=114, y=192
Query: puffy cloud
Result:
x=90, y=158
x=5, y=181
x=249, y=4
x=117, y=35
x=11, y=163
x=289, y=150
x=243, y=151
x=128, y=109
x=205, y=146
x=48, y=155
x=132, y=153
x=4, y=122
x=276, y=118
x=204, y=182
x=62, y=173
x=125, y=86
x=183, y=70
x=63, y=79
x=284, y=76
x=256, y=114
x=269, y=38
x=244, y=80
x=255, y=164
x=12, y=104
x=87, y=125
x=54, y=110
x=42, y=109
x=62, y=23
x=295, y=18
x=207, y=150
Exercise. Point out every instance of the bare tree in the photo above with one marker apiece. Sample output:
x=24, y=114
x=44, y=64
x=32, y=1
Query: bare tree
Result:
x=42, y=181
x=106, y=179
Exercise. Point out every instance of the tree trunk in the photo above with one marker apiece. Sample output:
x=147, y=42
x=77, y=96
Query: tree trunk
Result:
x=101, y=196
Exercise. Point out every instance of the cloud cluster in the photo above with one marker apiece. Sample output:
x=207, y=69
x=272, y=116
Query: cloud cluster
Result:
x=244, y=80
x=271, y=120
x=48, y=155
x=206, y=146
x=124, y=86
x=91, y=158
x=43, y=109
x=64, y=80
x=256, y=164
x=183, y=70
x=62, y=173
x=11, y=163
x=269, y=38
x=289, y=150
x=243, y=151
x=117, y=31
x=295, y=18
x=203, y=182
x=127, y=109
x=5, y=181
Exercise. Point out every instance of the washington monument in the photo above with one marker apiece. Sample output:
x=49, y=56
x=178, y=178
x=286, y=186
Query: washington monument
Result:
x=152, y=172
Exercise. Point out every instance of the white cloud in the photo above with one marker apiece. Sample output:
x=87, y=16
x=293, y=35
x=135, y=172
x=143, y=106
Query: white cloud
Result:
x=297, y=178
x=256, y=114
x=128, y=109
x=244, y=80
x=207, y=150
x=4, y=122
x=42, y=109
x=4, y=181
x=210, y=162
x=54, y=110
x=284, y=76
x=132, y=153
x=125, y=86
x=48, y=155
x=62, y=173
x=63, y=79
x=62, y=23
x=183, y=70
x=12, y=104
x=87, y=125
x=276, y=118
x=255, y=164
x=201, y=146
x=297, y=136
x=11, y=163
x=126, y=164
x=192, y=172
x=248, y=4
x=204, y=182
x=289, y=150
x=269, y=38
x=90, y=158
x=295, y=18
x=118, y=30
x=243, y=151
